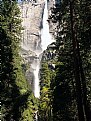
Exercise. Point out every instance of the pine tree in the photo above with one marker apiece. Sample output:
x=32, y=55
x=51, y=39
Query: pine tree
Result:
x=44, y=106
x=70, y=17
x=17, y=100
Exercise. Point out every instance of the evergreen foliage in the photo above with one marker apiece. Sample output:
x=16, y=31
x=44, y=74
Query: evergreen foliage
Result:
x=44, y=106
x=65, y=72
x=71, y=86
x=17, y=100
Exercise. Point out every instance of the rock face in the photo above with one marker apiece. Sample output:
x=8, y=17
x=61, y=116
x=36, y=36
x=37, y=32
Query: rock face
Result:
x=32, y=17
x=31, y=14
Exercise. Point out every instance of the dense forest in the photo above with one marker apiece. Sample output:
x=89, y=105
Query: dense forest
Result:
x=65, y=74
x=17, y=100
x=66, y=87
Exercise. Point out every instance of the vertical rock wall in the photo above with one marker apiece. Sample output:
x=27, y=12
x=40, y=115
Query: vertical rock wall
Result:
x=32, y=16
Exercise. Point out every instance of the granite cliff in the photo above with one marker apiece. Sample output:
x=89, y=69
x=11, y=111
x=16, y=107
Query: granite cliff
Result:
x=32, y=18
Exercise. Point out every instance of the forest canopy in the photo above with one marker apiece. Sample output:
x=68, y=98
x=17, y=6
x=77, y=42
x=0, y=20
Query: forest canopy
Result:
x=65, y=72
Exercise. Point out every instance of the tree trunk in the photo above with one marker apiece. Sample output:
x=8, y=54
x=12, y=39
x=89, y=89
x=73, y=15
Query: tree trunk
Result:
x=84, y=89
x=76, y=69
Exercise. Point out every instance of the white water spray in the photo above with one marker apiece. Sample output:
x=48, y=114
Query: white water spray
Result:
x=35, y=49
x=45, y=34
x=36, y=66
x=46, y=39
x=36, y=83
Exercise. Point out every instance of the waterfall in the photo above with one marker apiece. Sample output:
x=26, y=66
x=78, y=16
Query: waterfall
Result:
x=46, y=37
x=36, y=78
x=32, y=47
x=36, y=115
x=36, y=66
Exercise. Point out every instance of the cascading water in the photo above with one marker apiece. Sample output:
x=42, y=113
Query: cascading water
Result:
x=36, y=66
x=30, y=42
x=46, y=39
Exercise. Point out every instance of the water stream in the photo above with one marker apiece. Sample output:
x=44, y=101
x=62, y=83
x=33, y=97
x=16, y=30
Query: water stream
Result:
x=45, y=34
x=46, y=39
x=36, y=66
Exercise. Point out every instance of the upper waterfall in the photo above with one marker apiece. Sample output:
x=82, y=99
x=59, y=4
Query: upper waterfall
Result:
x=46, y=37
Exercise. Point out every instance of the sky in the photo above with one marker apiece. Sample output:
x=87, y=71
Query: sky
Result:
x=19, y=0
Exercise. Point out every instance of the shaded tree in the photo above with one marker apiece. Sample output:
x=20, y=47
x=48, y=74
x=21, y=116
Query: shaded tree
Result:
x=17, y=100
x=70, y=18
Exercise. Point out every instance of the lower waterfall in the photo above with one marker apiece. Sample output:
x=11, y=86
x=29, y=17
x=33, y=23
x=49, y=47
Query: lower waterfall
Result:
x=36, y=66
